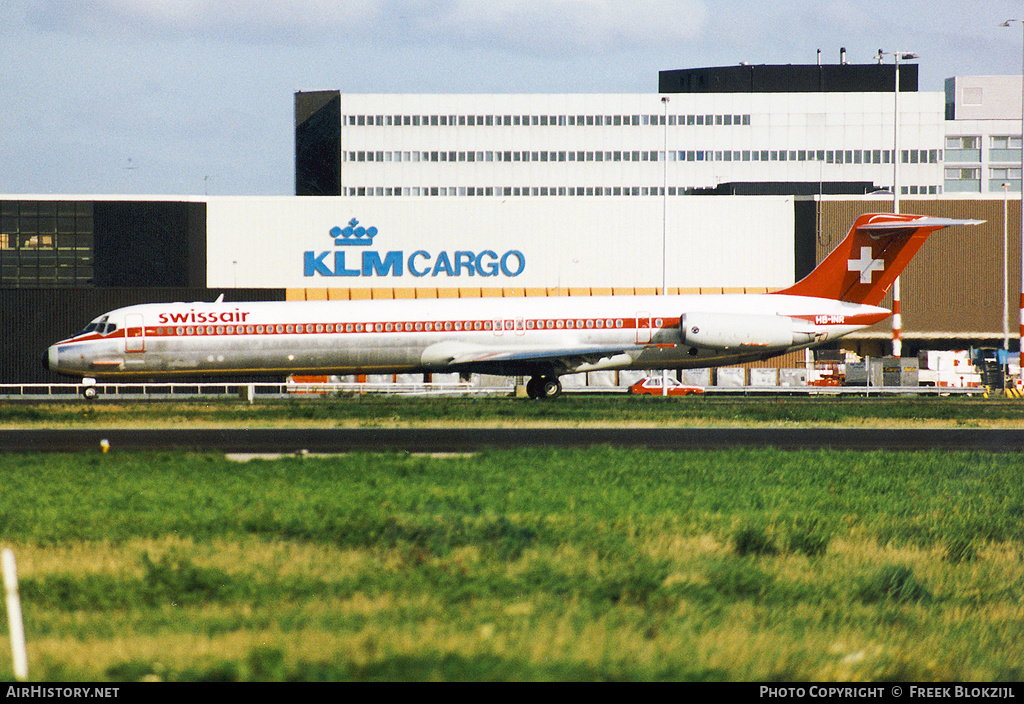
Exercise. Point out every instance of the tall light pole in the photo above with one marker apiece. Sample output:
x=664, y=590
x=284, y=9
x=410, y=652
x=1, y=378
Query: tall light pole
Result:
x=664, y=227
x=1007, y=23
x=1006, y=273
x=664, y=204
x=897, y=316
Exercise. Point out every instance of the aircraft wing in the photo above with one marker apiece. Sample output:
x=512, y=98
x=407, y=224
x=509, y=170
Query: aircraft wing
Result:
x=513, y=360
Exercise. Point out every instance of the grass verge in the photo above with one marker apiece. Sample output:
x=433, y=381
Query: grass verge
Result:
x=569, y=410
x=529, y=565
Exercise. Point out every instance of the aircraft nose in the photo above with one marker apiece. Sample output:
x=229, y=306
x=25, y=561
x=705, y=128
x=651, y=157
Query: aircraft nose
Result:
x=50, y=358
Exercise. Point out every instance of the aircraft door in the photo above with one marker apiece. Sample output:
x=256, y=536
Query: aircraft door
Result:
x=134, y=333
x=643, y=327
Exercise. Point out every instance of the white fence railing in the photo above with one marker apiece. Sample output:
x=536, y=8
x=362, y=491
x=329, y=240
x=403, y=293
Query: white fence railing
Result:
x=245, y=391
x=269, y=390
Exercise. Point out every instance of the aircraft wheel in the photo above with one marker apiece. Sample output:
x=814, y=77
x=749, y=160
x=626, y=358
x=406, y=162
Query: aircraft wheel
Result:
x=89, y=393
x=550, y=387
x=533, y=387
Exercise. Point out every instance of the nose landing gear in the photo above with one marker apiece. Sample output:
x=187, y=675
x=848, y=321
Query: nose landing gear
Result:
x=543, y=387
x=88, y=390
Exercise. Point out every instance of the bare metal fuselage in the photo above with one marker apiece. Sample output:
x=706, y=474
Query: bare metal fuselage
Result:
x=530, y=336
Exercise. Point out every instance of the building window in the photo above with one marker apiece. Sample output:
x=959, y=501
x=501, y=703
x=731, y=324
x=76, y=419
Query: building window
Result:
x=963, y=149
x=1004, y=148
x=1006, y=142
x=46, y=243
x=999, y=175
x=960, y=180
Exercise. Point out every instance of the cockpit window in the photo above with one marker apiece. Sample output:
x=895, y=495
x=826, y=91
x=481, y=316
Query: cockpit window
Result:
x=99, y=325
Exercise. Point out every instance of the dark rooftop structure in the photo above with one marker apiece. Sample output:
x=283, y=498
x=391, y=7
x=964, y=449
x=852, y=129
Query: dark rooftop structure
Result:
x=789, y=78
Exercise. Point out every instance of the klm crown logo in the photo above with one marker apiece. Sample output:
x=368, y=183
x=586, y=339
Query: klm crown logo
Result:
x=353, y=235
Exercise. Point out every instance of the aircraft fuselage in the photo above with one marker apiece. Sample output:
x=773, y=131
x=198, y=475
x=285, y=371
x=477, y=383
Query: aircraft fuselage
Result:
x=544, y=335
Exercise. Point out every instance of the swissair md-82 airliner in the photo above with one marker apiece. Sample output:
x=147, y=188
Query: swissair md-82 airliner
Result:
x=541, y=337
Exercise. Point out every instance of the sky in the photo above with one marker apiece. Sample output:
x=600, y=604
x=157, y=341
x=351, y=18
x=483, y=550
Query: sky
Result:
x=194, y=97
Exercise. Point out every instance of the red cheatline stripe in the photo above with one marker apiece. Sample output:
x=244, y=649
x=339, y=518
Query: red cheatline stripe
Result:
x=491, y=325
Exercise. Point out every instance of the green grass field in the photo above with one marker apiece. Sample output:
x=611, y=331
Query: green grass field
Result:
x=519, y=565
x=378, y=410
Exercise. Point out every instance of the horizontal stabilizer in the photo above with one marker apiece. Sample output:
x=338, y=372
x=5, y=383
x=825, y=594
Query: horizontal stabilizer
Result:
x=917, y=223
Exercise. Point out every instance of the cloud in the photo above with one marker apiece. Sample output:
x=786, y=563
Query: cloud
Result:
x=270, y=21
x=581, y=25
x=544, y=28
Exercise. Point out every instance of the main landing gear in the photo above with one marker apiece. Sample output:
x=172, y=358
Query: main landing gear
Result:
x=545, y=387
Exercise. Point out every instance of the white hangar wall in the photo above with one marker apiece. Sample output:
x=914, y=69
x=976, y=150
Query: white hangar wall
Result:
x=492, y=242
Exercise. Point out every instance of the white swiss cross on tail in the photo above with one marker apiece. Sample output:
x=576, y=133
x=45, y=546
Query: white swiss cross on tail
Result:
x=866, y=265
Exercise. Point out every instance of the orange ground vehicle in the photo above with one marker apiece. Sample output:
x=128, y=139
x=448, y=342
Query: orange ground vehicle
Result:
x=652, y=385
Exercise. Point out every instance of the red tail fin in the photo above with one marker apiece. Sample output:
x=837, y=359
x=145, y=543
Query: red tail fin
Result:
x=866, y=263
